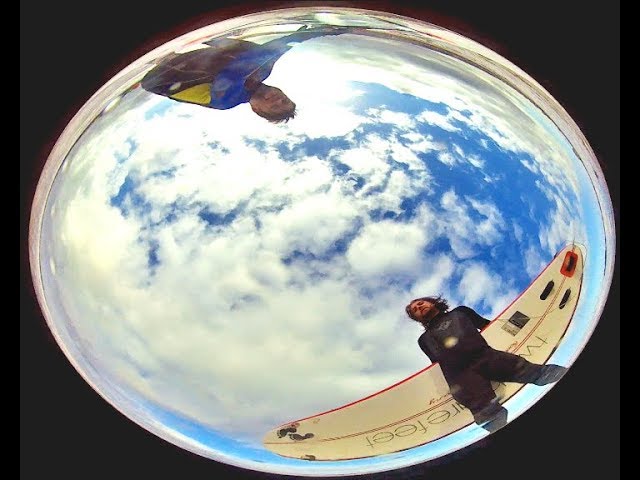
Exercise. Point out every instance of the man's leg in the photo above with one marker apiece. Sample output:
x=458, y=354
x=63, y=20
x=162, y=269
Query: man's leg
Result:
x=494, y=418
x=508, y=367
x=475, y=392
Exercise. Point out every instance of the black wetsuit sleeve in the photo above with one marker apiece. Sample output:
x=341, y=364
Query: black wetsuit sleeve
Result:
x=478, y=321
x=423, y=346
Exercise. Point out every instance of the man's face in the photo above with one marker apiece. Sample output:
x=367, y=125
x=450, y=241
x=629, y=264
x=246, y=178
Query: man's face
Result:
x=273, y=100
x=422, y=310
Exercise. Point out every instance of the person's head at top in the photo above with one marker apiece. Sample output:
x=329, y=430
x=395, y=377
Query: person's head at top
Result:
x=425, y=309
x=272, y=104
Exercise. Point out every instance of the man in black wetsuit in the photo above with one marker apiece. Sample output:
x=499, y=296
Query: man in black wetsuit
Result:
x=469, y=364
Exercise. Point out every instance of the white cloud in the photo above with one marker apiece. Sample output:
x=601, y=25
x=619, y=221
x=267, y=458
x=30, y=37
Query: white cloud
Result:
x=312, y=224
x=476, y=161
x=518, y=232
x=465, y=233
x=406, y=155
x=490, y=229
x=546, y=190
x=479, y=287
x=106, y=240
x=530, y=166
x=423, y=144
x=321, y=120
x=534, y=262
x=437, y=275
x=447, y=158
x=376, y=250
x=438, y=120
x=476, y=282
x=461, y=155
x=399, y=120
x=413, y=137
x=562, y=227
x=399, y=187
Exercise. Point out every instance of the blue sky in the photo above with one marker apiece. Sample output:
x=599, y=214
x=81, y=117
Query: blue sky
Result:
x=201, y=259
x=511, y=191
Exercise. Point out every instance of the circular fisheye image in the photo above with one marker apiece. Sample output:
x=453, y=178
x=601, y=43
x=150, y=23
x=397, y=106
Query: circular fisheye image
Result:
x=322, y=241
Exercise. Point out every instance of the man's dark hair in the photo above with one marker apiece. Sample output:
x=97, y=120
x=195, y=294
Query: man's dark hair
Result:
x=278, y=117
x=439, y=302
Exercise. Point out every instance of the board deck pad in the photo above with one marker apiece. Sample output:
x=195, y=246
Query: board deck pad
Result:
x=420, y=409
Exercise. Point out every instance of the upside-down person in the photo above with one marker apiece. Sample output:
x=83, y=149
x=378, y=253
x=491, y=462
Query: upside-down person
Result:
x=229, y=72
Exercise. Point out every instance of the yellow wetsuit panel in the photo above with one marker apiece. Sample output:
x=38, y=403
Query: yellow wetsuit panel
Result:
x=200, y=94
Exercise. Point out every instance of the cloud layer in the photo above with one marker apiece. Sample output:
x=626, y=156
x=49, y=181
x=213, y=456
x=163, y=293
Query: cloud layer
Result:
x=243, y=274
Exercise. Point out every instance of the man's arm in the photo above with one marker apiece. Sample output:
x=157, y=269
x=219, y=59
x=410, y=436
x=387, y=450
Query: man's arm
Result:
x=424, y=347
x=478, y=321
